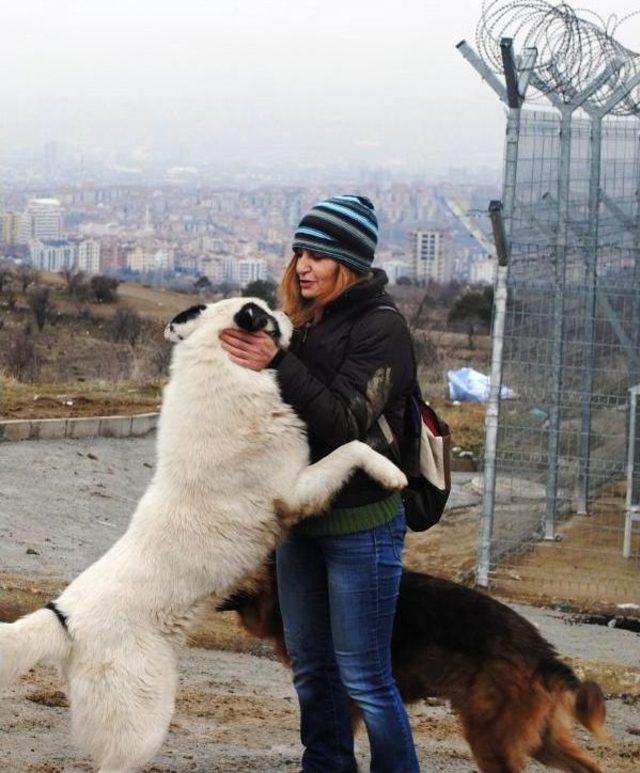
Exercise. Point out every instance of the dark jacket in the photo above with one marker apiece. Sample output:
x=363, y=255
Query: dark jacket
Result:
x=343, y=372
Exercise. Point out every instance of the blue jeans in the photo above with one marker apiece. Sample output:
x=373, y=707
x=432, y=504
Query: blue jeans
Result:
x=338, y=599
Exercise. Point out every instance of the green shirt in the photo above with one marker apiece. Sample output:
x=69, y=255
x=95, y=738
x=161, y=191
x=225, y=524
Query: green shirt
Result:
x=348, y=520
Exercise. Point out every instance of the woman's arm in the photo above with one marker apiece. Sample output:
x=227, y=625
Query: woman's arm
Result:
x=251, y=350
x=378, y=366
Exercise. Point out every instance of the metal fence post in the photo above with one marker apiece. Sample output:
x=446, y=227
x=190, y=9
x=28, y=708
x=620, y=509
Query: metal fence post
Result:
x=590, y=270
x=632, y=503
x=557, y=335
x=502, y=231
x=493, y=404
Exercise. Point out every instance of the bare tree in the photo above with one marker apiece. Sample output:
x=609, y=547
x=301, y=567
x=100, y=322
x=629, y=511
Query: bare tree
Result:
x=11, y=295
x=6, y=276
x=117, y=364
x=20, y=358
x=27, y=276
x=161, y=359
x=77, y=286
x=67, y=274
x=40, y=303
x=425, y=349
x=127, y=325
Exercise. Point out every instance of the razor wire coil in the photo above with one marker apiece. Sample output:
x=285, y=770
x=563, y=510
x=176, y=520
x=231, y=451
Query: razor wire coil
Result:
x=574, y=48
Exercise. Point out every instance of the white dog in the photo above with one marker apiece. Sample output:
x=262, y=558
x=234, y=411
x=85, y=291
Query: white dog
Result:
x=232, y=457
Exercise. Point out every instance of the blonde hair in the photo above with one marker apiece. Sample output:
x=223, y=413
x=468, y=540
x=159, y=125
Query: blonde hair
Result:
x=299, y=309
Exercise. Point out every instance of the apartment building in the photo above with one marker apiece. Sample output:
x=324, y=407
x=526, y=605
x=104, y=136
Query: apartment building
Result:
x=428, y=259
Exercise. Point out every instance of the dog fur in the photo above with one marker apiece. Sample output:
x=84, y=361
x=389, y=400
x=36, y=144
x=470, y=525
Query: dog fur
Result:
x=516, y=700
x=228, y=451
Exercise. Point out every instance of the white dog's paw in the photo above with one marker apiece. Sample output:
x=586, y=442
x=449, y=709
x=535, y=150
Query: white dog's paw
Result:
x=385, y=472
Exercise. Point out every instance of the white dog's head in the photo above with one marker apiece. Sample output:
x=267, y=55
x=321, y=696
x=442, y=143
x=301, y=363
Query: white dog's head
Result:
x=249, y=314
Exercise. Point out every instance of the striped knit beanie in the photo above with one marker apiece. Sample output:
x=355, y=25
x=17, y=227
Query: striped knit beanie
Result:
x=344, y=228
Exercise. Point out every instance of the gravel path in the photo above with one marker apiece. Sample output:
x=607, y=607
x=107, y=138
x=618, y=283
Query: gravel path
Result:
x=63, y=502
x=68, y=500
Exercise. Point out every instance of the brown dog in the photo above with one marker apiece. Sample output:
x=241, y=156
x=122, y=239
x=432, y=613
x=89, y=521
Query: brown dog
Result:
x=514, y=697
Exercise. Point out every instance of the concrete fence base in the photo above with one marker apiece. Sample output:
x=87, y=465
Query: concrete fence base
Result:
x=90, y=426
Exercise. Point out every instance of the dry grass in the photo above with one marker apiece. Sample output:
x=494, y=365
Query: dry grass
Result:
x=83, y=372
x=153, y=302
x=448, y=550
x=467, y=425
x=584, y=570
x=82, y=365
x=150, y=301
x=220, y=631
x=71, y=399
x=617, y=681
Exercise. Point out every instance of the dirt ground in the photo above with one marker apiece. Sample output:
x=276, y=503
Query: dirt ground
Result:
x=237, y=713
x=63, y=502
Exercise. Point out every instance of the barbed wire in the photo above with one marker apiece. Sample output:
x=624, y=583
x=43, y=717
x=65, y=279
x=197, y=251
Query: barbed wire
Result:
x=575, y=47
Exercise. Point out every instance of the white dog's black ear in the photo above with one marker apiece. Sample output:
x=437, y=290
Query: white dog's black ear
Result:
x=176, y=331
x=187, y=314
x=252, y=318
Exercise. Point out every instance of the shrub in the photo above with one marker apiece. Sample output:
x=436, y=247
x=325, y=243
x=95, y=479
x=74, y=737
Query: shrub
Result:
x=27, y=276
x=104, y=288
x=20, y=359
x=6, y=277
x=425, y=350
x=473, y=310
x=10, y=296
x=126, y=326
x=160, y=359
x=264, y=289
x=117, y=363
x=78, y=287
x=40, y=303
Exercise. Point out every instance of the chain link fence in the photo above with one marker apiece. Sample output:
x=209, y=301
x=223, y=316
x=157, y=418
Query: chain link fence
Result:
x=571, y=353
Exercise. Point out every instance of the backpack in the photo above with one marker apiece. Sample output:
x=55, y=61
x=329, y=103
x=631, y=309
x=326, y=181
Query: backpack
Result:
x=425, y=458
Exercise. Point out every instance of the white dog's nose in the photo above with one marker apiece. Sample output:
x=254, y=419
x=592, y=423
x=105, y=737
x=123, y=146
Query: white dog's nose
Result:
x=170, y=334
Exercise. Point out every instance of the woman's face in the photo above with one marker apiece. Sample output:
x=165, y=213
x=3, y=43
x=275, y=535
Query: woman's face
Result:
x=316, y=274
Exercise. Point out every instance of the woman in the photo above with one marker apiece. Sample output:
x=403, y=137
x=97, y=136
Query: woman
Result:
x=338, y=574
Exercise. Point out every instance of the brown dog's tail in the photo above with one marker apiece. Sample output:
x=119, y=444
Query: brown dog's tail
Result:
x=571, y=699
x=583, y=700
x=590, y=709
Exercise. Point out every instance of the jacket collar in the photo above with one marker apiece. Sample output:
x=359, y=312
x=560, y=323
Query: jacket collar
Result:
x=359, y=293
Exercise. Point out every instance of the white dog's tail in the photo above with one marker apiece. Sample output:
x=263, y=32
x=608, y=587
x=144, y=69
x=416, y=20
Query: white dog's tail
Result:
x=35, y=637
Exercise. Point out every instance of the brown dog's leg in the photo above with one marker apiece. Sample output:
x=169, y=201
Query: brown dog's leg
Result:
x=489, y=758
x=489, y=751
x=500, y=716
x=560, y=751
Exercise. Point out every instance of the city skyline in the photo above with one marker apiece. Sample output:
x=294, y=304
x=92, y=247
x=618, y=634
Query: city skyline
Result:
x=235, y=236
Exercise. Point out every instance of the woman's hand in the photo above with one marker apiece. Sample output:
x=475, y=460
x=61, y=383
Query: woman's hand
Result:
x=251, y=350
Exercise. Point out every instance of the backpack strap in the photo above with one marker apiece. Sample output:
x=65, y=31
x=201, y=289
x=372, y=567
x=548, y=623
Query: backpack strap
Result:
x=389, y=436
x=415, y=365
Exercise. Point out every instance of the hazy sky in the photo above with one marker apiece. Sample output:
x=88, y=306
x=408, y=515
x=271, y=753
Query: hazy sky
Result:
x=298, y=81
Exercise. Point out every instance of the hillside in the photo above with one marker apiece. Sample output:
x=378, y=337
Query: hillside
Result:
x=90, y=359
x=81, y=363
